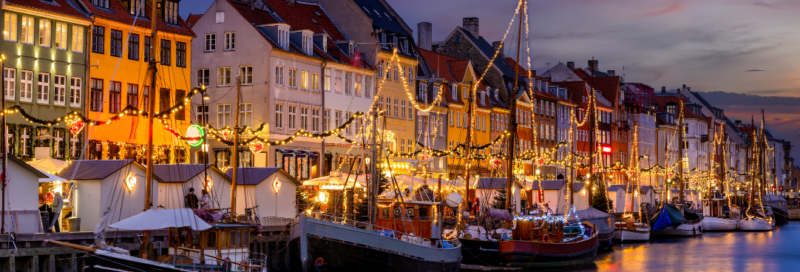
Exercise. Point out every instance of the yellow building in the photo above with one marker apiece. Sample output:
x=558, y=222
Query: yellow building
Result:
x=395, y=96
x=119, y=77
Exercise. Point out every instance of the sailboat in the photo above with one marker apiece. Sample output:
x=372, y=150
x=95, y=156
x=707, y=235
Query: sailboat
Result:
x=720, y=214
x=756, y=217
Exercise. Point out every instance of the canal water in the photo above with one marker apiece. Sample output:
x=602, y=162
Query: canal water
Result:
x=778, y=250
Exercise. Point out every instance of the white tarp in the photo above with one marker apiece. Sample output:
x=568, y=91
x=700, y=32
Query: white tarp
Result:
x=154, y=219
x=51, y=178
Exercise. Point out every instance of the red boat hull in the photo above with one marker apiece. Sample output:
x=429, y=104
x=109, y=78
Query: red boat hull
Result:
x=527, y=254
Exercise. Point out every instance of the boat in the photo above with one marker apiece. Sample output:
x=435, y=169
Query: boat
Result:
x=549, y=242
x=114, y=260
x=670, y=222
x=755, y=224
x=479, y=246
x=632, y=231
x=757, y=217
x=719, y=216
x=779, y=207
x=603, y=222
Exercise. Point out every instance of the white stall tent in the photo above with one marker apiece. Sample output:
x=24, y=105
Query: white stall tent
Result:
x=22, y=205
x=269, y=191
x=176, y=179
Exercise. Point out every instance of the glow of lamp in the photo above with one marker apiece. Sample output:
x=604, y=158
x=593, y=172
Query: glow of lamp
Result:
x=130, y=181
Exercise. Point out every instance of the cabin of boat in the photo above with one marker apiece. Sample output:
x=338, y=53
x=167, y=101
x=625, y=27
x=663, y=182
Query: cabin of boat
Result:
x=419, y=217
x=210, y=249
x=719, y=208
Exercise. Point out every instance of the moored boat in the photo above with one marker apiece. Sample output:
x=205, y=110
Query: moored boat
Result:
x=549, y=242
x=631, y=232
x=720, y=224
x=719, y=216
x=755, y=224
x=671, y=222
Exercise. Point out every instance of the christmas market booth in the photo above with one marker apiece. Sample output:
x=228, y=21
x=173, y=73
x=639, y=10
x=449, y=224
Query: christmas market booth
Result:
x=265, y=193
x=21, y=214
x=175, y=180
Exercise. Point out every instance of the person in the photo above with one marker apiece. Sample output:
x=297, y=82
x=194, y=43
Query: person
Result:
x=190, y=200
x=205, y=200
x=476, y=206
x=58, y=204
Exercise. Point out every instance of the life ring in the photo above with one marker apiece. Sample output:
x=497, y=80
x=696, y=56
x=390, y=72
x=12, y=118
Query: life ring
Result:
x=545, y=238
x=319, y=262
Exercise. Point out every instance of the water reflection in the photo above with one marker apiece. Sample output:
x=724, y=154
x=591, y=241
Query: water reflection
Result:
x=778, y=250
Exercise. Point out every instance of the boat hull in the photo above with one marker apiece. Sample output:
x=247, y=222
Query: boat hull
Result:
x=720, y=224
x=479, y=252
x=683, y=230
x=317, y=244
x=530, y=254
x=754, y=224
x=781, y=216
x=637, y=235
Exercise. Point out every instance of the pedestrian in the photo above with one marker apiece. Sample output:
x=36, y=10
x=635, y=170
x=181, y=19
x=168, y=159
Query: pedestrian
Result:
x=205, y=200
x=58, y=204
x=190, y=200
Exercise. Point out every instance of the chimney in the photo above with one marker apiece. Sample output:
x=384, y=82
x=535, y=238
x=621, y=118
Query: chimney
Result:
x=611, y=73
x=593, y=65
x=663, y=89
x=424, y=35
x=684, y=87
x=738, y=123
x=571, y=65
x=471, y=25
x=495, y=46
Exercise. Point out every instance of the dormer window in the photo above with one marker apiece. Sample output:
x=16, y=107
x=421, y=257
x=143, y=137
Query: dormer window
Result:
x=100, y=3
x=377, y=13
x=283, y=36
x=454, y=91
x=134, y=7
x=405, y=46
x=308, y=43
x=351, y=49
x=171, y=12
x=423, y=91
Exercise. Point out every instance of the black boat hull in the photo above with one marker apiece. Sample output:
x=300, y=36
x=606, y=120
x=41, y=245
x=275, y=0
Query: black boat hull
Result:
x=781, y=217
x=527, y=261
x=332, y=255
x=479, y=252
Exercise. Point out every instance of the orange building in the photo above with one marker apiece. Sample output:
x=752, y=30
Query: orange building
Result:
x=119, y=77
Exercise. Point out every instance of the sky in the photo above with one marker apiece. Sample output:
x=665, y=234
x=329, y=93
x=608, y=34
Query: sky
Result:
x=743, y=54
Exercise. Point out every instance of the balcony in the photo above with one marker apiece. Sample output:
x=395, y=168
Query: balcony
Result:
x=703, y=138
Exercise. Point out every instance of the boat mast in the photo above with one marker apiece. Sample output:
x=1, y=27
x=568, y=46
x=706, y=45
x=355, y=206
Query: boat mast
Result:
x=235, y=147
x=592, y=134
x=680, y=150
x=468, y=144
x=752, y=167
x=512, y=98
x=373, y=178
x=148, y=197
x=5, y=152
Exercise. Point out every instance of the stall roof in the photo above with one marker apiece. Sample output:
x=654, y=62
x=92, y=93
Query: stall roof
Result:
x=255, y=175
x=173, y=173
x=95, y=169
x=548, y=184
x=16, y=160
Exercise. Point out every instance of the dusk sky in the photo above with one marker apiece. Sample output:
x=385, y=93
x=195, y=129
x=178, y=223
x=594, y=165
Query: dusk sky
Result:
x=744, y=53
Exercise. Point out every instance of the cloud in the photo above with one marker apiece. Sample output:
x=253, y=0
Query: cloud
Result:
x=672, y=8
x=755, y=70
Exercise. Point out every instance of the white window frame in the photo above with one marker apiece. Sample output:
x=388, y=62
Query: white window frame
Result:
x=304, y=80
x=246, y=73
x=10, y=24
x=202, y=77
x=327, y=80
x=224, y=76
x=292, y=124
x=43, y=88
x=27, y=30
x=61, y=36
x=210, y=41
x=279, y=74
x=10, y=81
x=223, y=115
x=293, y=78
x=315, y=125
x=304, y=113
x=315, y=82
x=279, y=115
x=348, y=83
x=45, y=33
x=368, y=86
x=357, y=85
x=230, y=41
x=246, y=114
x=59, y=90
x=75, y=90
x=77, y=39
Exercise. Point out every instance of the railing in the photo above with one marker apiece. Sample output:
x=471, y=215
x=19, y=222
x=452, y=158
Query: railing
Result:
x=389, y=233
x=276, y=221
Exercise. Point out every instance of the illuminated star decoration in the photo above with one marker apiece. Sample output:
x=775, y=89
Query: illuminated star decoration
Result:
x=75, y=126
x=256, y=147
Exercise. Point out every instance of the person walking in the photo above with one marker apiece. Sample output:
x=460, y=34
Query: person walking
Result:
x=205, y=200
x=190, y=200
x=58, y=204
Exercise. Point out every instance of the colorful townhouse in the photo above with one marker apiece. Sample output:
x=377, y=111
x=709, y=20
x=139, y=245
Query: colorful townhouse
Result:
x=120, y=78
x=432, y=129
x=45, y=44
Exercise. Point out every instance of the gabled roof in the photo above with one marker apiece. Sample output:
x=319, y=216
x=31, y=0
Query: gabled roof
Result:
x=609, y=86
x=520, y=71
x=441, y=66
x=491, y=183
x=663, y=100
x=488, y=51
x=96, y=169
x=63, y=7
x=25, y=165
x=548, y=185
x=192, y=19
x=383, y=18
x=182, y=172
x=118, y=12
x=575, y=91
x=255, y=175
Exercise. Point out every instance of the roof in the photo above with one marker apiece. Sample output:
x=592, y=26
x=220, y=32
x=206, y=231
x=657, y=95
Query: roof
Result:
x=548, y=185
x=63, y=7
x=255, y=175
x=644, y=189
x=383, y=18
x=182, y=172
x=95, y=169
x=26, y=166
x=117, y=12
x=445, y=66
x=575, y=91
x=662, y=101
x=192, y=19
x=520, y=70
x=488, y=50
x=607, y=85
x=491, y=183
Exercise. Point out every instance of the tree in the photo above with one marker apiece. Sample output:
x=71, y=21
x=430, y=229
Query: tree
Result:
x=499, y=201
x=600, y=200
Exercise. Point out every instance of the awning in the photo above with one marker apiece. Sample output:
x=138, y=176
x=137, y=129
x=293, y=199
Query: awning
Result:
x=301, y=153
x=50, y=178
x=154, y=219
x=48, y=165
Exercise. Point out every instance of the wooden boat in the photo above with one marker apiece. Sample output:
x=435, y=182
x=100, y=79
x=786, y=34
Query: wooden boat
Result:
x=716, y=218
x=549, y=242
x=755, y=224
x=779, y=207
x=108, y=260
x=212, y=249
x=631, y=232
x=676, y=224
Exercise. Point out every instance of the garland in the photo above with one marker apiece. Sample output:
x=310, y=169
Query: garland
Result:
x=215, y=133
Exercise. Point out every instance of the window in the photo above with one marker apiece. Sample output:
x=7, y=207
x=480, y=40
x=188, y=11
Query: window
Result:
x=396, y=74
x=134, y=7
x=180, y=97
x=348, y=83
x=357, y=86
x=338, y=84
x=27, y=30
x=202, y=114
x=292, y=117
x=315, y=82
x=348, y=129
x=220, y=17
x=451, y=118
x=292, y=78
x=100, y=3
x=97, y=95
x=10, y=81
x=338, y=118
x=211, y=42
x=380, y=70
x=279, y=75
x=368, y=86
x=326, y=121
x=75, y=87
x=60, y=87
x=278, y=115
x=423, y=91
x=388, y=106
x=10, y=27
x=396, y=108
x=246, y=74
x=180, y=54
x=116, y=43
x=98, y=39
x=403, y=109
x=315, y=120
x=164, y=100
x=454, y=91
x=77, y=38
x=61, y=36
x=133, y=46
x=43, y=88
x=230, y=41
x=246, y=114
x=114, y=97
x=166, y=51
x=441, y=126
x=304, y=118
x=327, y=80
x=458, y=119
x=304, y=80
x=147, y=48
x=224, y=74
x=410, y=73
x=410, y=111
x=465, y=92
x=44, y=32
x=171, y=12
x=202, y=77
x=133, y=95
x=223, y=115
x=146, y=98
